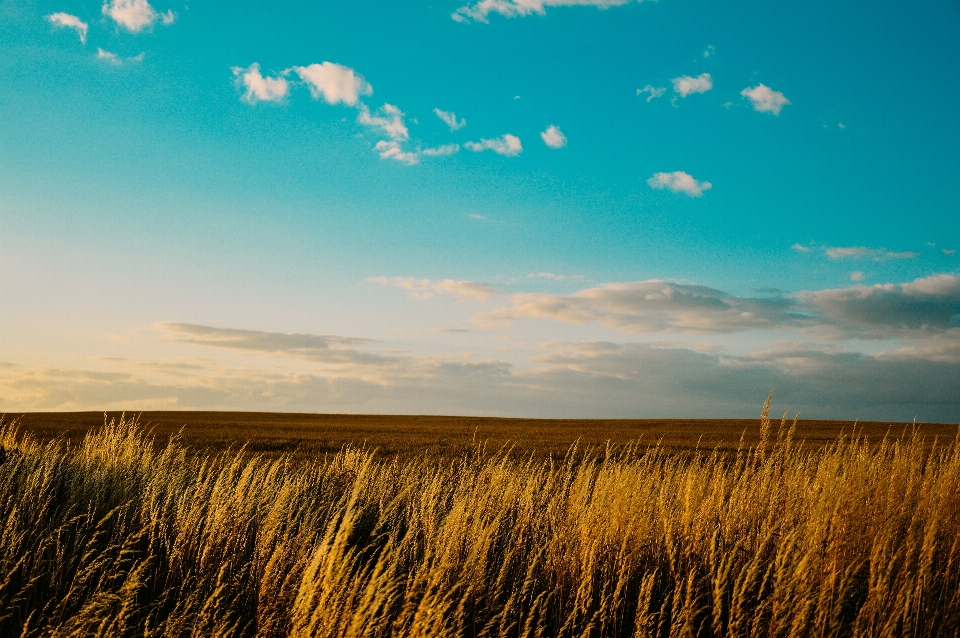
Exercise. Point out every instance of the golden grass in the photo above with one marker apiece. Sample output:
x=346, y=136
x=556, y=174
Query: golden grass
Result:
x=116, y=536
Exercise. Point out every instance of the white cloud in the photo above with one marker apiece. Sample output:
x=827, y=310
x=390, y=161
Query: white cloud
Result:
x=113, y=58
x=106, y=56
x=427, y=289
x=515, y=8
x=388, y=119
x=949, y=251
x=800, y=248
x=446, y=149
x=508, y=145
x=553, y=137
x=135, y=15
x=339, y=84
x=862, y=252
x=450, y=118
x=259, y=88
x=765, y=99
x=336, y=83
x=70, y=22
x=679, y=182
x=709, y=51
x=687, y=85
x=652, y=90
x=856, y=275
x=391, y=149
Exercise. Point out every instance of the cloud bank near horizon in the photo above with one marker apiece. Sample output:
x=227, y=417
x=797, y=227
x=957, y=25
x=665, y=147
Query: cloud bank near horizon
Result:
x=802, y=346
x=595, y=379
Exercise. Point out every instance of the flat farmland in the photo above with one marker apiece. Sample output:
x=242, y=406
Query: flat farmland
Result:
x=312, y=435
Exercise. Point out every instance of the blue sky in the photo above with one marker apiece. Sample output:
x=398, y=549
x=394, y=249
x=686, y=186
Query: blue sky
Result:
x=523, y=208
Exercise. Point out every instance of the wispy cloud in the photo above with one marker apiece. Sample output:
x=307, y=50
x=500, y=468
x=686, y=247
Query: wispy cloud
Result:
x=550, y=275
x=922, y=316
x=445, y=149
x=508, y=145
x=646, y=307
x=260, y=88
x=334, y=82
x=553, y=137
x=679, y=182
x=70, y=22
x=450, y=119
x=389, y=120
x=654, y=92
x=318, y=348
x=136, y=15
x=113, y=58
x=428, y=289
x=856, y=252
x=393, y=150
x=765, y=99
x=515, y=8
x=687, y=85
x=107, y=56
x=922, y=307
x=862, y=252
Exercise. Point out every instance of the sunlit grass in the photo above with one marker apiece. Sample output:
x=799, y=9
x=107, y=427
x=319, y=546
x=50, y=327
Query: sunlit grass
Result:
x=119, y=537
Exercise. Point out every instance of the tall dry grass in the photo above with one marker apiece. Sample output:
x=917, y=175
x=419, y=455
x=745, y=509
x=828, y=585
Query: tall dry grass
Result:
x=115, y=538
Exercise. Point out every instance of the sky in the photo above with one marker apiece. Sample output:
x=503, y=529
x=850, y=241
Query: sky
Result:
x=540, y=208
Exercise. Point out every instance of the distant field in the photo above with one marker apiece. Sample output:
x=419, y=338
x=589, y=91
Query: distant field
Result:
x=272, y=434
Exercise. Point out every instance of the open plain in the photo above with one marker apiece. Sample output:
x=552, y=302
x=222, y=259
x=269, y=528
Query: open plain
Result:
x=272, y=434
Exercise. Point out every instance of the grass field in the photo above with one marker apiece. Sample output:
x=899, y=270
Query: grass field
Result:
x=311, y=435
x=116, y=534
